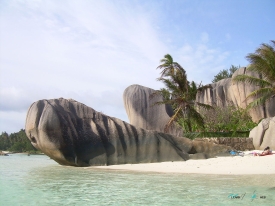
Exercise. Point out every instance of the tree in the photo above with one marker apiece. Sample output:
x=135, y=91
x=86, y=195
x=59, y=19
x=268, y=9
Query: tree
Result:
x=16, y=142
x=227, y=119
x=4, y=141
x=169, y=67
x=263, y=63
x=225, y=73
x=180, y=94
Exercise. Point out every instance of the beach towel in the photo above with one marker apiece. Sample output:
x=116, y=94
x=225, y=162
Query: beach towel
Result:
x=260, y=154
x=266, y=154
x=234, y=153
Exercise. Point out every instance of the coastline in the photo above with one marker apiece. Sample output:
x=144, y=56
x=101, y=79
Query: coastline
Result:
x=229, y=165
x=8, y=153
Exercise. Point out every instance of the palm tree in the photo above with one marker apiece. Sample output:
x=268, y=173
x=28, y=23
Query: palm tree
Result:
x=168, y=66
x=263, y=63
x=180, y=94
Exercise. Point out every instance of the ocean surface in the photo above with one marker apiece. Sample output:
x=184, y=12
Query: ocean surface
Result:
x=38, y=180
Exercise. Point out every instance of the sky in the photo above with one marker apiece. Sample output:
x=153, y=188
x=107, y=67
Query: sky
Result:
x=91, y=50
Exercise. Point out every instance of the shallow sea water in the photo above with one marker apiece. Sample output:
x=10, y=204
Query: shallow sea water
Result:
x=38, y=180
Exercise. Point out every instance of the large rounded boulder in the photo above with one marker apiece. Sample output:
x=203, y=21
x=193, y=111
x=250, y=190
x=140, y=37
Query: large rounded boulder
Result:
x=226, y=92
x=142, y=111
x=264, y=134
x=74, y=134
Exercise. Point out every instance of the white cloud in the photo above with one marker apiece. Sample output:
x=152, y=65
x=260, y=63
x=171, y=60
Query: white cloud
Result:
x=13, y=99
x=89, y=51
x=201, y=62
x=12, y=121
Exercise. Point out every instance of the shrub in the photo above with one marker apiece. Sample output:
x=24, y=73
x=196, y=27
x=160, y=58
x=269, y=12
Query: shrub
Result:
x=229, y=121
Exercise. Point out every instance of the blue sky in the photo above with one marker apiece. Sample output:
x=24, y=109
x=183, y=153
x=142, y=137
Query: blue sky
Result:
x=91, y=51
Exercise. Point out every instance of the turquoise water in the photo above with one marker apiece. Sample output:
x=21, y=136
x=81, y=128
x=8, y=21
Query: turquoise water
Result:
x=38, y=180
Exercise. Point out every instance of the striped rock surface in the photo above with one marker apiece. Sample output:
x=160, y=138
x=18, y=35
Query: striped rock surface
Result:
x=73, y=134
x=142, y=111
x=264, y=134
x=225, y=92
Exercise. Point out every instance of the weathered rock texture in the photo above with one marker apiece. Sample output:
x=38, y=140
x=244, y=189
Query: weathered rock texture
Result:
x=142, y=111
x=73, y=134
x=225, y=92
x=264, y=134
x=236, y=143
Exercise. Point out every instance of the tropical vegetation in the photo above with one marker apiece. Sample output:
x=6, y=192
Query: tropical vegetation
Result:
x=195, y=117
x=16, y=142
x=227, y=119
x=180, y=94
x=262, y=62
x=225, y=73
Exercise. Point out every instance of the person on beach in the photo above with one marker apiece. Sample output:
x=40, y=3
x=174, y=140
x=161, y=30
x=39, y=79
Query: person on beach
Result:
x=266, y=151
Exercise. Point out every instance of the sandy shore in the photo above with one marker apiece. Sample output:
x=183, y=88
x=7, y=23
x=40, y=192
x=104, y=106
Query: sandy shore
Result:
x=233, y=165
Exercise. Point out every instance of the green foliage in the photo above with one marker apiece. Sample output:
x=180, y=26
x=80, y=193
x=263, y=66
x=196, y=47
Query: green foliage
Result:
x=225, y=73
x=193, y=135
x=224, y=134
x=262, y=63
x=4, y=141
x=194, y=116
x=227, y=119
x=169, y=67
x=16, y=142
x=180, y=94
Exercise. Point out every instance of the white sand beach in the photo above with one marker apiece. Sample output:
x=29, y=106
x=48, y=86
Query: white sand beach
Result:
x=230, y=165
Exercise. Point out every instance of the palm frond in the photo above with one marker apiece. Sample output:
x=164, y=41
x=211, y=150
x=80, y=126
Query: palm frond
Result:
x=190, y=117
x=196, y=117
x=258, y=102
x=263, y=61
x=268, y=91
x=251, y=80
x=179, y=93
x=262, y=66
x=169, y=67
x=203, y=106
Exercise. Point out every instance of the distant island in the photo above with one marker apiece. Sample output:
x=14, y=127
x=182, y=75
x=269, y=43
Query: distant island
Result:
x=16, y=142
